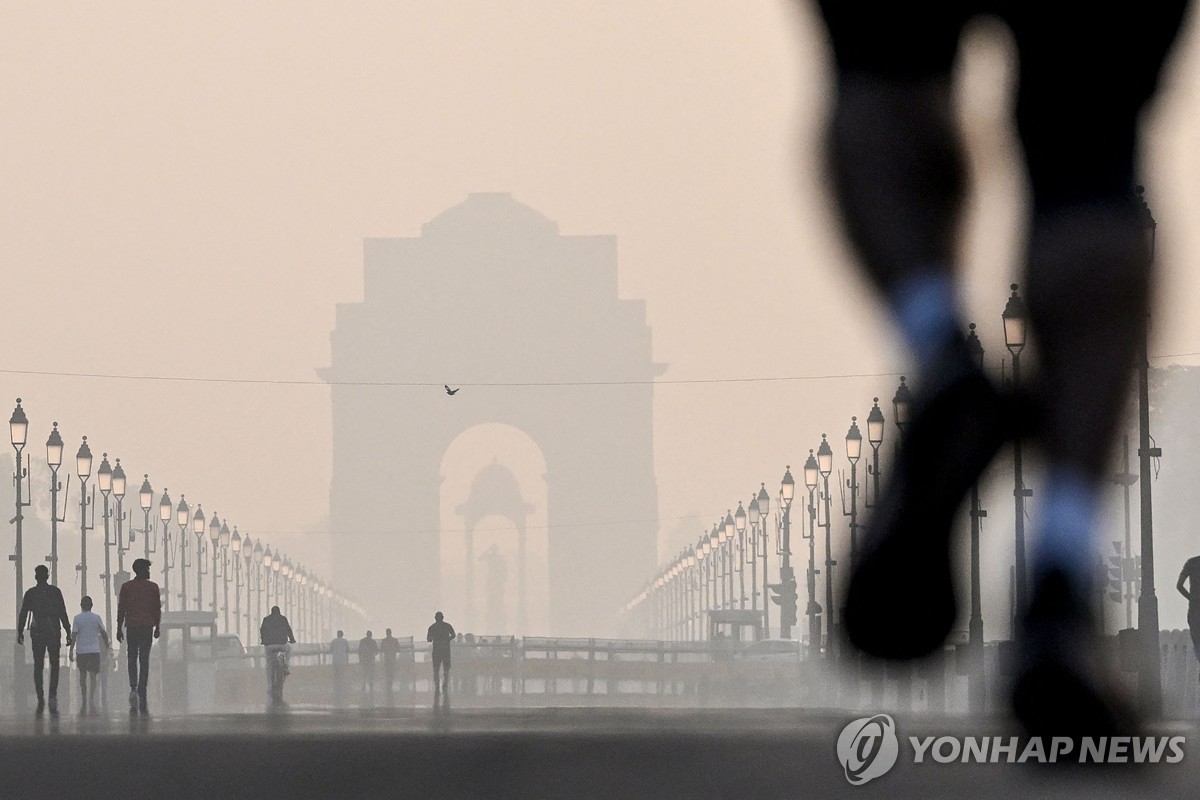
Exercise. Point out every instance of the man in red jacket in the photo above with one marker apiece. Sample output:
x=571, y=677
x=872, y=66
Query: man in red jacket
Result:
x=139, y=612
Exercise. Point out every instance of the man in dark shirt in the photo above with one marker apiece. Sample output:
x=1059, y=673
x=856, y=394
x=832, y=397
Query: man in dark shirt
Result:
x=45, y=603
x=441, y=634
x=389, y=648
x=368, y=648
x=139, y=612
x=1191, y=575
x=276, y=634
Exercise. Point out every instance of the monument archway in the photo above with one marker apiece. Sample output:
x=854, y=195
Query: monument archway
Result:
x=527, y=324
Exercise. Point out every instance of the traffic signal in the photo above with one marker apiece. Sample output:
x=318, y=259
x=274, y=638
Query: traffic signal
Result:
x=784, y=595
x=1114, y=579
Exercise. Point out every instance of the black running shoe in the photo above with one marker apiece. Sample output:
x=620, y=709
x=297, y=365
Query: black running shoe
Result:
x=900, y=603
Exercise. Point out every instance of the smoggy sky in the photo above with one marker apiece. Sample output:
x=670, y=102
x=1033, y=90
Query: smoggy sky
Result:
x=184, y=191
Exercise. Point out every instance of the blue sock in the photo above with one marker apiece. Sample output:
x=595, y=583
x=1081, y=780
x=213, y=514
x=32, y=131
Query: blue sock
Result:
x=1067, y=528
x=927, y=312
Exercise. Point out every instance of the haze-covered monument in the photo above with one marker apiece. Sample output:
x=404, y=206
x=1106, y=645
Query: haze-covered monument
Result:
x=526, y=501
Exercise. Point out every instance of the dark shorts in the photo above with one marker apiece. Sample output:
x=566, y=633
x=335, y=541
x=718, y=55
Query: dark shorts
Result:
x=441, y=659
x=89, y=662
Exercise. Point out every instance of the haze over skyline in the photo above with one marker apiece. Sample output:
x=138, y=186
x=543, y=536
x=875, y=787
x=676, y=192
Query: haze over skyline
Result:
x=187, y=191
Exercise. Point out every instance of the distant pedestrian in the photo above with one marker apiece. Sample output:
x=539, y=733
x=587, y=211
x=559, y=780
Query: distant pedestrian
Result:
x=1191, y=575
x=389, y=648
x=441, y=634
x=88, y=636
x=139, y=613
x=276, y=635
x=45, y=604
x=339, y=656
x=368, y=649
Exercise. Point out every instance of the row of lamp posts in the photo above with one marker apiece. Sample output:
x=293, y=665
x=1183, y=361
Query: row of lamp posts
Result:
x=225, y=554
x=674, y=604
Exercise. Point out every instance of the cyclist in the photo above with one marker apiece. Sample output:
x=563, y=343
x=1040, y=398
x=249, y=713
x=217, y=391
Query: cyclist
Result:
x=276, y=635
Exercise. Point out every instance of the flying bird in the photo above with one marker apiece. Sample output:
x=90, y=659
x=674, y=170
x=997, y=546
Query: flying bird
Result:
x=450, y=391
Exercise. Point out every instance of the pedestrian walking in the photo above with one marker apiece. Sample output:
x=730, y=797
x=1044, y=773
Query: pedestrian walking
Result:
x=368, y=649
x=44, y=603
x=441, y=634
x=139, y=613
x=389, y=649
x=339, y=657
x=88, y=639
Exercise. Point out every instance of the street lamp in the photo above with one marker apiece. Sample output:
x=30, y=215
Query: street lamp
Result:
x=262, y=562
x=146, y=501
x=825, y=465
x=728, y=529
x=118, y=490
x=18, y=430
x=104, y=484
x=901, y=406
x=235, y=547
x=198, y=522
x=875, y=437
x=54, y=457
x=1015, y=318
x=250, y=565
x=812, y=474
x=739, y=525
x=83, y=467
x=164, y=516
x=214, y=535
x=183, y=514
x=224, y=540
x=753, y=516
x=764, y=507
x=975, y=677
x=854, y=441
x=787, y=577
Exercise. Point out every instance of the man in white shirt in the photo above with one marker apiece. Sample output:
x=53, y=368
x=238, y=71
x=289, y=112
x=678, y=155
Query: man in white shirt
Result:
x=87, y=634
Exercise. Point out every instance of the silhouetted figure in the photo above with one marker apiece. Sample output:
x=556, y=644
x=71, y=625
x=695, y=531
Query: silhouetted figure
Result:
x=450, y=391
x=45, y=604
x=1191, y=575
x=276, y=635
x=139, y=613
x=1084, y=75
x=339, y=657
x=441, y=634
x=389, y=648
x=88, y=637
x=368, y=649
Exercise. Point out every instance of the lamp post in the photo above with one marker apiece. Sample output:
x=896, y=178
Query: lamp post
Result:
x=164, y=516
x=249, y=567
x=702, y=550
x=262, y=565
x=854, y=441
x=146, y=501
x=731, y=560
x=1015, y=318
x=225, y=540
x=764, y=506
x=739, y=525
x=198, y=521
x=118, y=492
x=54, y=455
x=787, y=577
x=18, y=430
x=183, y=515
x=83, y=467
x=975, y=675
x=276, y=565
x=1149, y=668
x=753, y=517
x=825, y=465
x=875, y=437
x=214, y=536
x=235, y=547
x=104, y=484
x=811, y=479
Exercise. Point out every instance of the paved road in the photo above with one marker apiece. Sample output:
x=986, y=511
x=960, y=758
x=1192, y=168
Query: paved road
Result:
x=543, y=753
